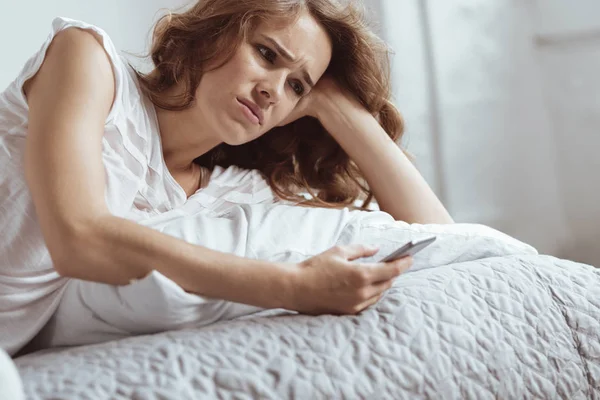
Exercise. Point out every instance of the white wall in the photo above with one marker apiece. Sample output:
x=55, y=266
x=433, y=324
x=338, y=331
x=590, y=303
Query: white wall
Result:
x=568, y=49
x=26, y=24
x=503, y=112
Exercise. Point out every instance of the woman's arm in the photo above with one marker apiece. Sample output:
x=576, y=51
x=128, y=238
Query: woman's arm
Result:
x=69, y=100
x=397, y=185
x=115, y=250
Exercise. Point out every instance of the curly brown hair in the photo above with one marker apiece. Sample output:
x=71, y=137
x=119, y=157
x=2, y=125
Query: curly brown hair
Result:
x=301, y=157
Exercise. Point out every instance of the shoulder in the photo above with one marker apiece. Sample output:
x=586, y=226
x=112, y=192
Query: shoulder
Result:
x=76, y=57
x=77, y=46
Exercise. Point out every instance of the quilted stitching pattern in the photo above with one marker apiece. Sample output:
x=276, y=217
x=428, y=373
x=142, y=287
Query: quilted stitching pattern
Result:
x=519, y=327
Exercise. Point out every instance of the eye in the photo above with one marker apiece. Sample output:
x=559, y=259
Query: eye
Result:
x=297, y=87
x=267, y=53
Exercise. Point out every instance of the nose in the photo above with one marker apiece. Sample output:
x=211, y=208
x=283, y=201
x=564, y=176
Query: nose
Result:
x=272, y=87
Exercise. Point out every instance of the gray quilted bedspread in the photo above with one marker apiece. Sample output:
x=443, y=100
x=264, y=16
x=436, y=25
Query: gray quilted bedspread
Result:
x=512, y=327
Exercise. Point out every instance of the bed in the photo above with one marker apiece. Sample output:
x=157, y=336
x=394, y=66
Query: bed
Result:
x=504, y=322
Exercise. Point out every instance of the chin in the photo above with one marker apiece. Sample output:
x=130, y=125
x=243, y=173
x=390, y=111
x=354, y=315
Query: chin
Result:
x=240, y=138
x=240, y=134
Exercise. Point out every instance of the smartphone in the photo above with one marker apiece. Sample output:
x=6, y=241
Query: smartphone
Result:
x=409, y=249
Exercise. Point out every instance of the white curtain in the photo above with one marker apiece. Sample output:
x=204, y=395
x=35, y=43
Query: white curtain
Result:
x=467, y=81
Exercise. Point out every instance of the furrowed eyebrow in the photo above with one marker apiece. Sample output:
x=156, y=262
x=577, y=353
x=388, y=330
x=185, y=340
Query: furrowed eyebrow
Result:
x=288, y=56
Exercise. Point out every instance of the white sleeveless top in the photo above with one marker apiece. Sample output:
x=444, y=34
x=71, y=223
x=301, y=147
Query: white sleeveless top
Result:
x=138, y=186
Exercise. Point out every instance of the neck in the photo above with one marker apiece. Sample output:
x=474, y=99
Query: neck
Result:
x=183, y=138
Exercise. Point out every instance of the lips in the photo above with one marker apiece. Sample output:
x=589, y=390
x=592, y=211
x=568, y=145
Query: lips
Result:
x=254, y=108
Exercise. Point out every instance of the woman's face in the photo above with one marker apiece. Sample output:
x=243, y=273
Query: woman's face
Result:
x=265, y=79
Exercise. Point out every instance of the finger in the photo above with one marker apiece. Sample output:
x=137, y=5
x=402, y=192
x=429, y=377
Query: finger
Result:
x=386, y=271
x=379, y=288
x=355, y=251
x=361, y=307
x=297, y=112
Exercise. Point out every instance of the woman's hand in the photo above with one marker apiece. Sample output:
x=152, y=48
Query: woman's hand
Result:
x=326, y=89
x=329, y=283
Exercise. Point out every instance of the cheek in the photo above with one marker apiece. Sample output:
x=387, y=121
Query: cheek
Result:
x=281, y=113
x=215, y=87
x=213, y=81
x=221, y=79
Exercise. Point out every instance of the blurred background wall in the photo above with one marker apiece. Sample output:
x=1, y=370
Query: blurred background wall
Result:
x=502, y=104
x=501, y=100
x=26, y=24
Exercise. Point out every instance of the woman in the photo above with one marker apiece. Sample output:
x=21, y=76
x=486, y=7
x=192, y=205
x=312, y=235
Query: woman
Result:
x=294, y=89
